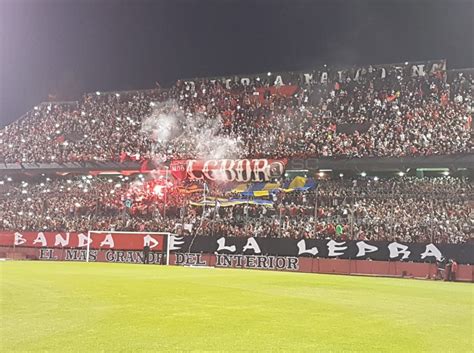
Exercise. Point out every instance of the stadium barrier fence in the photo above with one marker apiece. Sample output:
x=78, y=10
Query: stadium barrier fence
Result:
x=464, y=273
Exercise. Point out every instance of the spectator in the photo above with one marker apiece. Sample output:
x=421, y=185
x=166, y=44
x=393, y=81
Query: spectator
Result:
x=406, y=209
x=394, y=116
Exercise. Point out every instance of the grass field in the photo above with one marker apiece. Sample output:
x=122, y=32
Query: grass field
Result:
x=78, y=307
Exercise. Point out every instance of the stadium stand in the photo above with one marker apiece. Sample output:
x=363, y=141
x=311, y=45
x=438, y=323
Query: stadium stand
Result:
x=397, y=115
x=408, y=209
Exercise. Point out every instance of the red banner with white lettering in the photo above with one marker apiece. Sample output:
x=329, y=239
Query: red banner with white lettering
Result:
x=97, y=240
x=240, y=170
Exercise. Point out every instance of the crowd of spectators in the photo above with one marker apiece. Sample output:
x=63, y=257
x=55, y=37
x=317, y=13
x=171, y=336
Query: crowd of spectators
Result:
x=398, y=115
x=407, y=209
x=102, y=127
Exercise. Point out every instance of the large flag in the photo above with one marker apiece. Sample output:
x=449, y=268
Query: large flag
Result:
x=298, y=183
x=190, y=189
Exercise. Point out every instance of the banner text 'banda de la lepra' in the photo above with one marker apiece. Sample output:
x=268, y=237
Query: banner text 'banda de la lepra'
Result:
x=324, y=248
x=240, y=170
x=102, y=240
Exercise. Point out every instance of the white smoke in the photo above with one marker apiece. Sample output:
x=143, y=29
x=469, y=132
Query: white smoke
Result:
x=164, y=122
x=172, y=131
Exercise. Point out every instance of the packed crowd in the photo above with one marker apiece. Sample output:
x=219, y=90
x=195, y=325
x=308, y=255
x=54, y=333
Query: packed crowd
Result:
x=395, y=116
x=407, y=209
x=100, y=128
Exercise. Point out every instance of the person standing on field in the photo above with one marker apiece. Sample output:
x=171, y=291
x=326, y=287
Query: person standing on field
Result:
x=454, y=268
x=146, y=254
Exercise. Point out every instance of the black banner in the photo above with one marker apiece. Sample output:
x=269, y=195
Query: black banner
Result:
x=356, y=250
x=324, y=75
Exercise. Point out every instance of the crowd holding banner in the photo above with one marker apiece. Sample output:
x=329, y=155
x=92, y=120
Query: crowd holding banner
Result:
x=405, y=209
x=328, y=75
x=323, y=248
x=227, y=170
x=382, y=110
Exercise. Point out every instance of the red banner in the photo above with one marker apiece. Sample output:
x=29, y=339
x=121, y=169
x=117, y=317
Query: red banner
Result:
x=286, y=90
x=240, y=170
x=102, y=240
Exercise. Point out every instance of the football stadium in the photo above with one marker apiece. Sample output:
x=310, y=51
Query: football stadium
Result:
x=298, y=208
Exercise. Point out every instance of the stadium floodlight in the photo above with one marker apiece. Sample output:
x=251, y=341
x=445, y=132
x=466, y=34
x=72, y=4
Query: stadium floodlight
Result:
x=128, y=243
x=401, y=174
x=376, y=178
x=98, y=93
x=445, y=173
x=363, y=174
x=269, y=73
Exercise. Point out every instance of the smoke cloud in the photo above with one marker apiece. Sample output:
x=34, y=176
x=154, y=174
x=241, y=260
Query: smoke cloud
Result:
x=172, y=132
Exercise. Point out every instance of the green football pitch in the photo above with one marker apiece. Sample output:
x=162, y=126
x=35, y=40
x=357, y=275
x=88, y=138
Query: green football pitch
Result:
x=100, y=307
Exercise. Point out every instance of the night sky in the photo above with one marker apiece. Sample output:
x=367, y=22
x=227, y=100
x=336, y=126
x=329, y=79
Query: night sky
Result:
x=70, y=47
